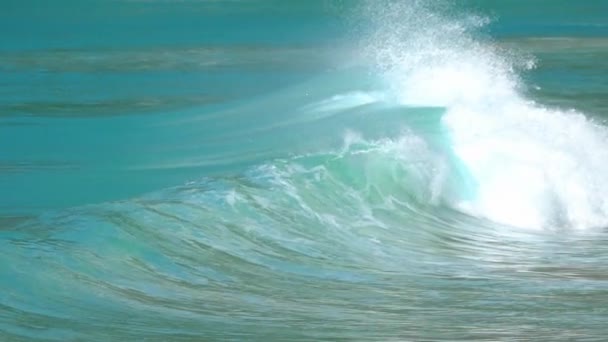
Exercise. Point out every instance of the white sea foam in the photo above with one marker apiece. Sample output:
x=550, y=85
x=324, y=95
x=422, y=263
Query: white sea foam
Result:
x=531, y=166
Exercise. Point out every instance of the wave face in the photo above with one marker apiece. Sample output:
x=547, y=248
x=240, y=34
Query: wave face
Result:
x=422, y=176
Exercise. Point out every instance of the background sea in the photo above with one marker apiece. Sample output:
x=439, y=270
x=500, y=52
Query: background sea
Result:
x=202, y=170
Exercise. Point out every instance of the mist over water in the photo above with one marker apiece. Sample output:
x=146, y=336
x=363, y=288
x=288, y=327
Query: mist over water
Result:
x=379, y=170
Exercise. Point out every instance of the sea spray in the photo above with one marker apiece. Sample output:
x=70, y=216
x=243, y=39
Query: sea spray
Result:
x=530, y=166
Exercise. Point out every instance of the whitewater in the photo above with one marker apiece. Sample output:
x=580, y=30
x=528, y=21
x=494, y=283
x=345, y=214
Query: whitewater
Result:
x=417, y=186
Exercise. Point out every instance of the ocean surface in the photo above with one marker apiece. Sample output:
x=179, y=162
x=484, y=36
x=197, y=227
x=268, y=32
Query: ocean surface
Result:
x=265, y=170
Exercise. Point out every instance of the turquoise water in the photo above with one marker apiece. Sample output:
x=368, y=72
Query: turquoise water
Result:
x=302, y=171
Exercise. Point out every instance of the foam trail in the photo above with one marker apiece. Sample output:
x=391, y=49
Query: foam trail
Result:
x=531, y=166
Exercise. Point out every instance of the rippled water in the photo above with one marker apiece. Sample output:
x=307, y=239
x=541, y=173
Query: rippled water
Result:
x=264, y=170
